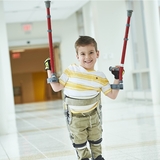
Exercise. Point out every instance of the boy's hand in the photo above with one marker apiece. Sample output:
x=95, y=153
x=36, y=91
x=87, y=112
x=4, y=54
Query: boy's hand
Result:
x=115, y=71
x=47, y=64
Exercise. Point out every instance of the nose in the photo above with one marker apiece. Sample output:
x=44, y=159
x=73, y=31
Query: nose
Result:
x=87, y=56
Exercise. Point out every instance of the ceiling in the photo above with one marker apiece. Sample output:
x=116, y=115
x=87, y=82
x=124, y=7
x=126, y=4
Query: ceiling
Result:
x=24, y=11
x=27, y=11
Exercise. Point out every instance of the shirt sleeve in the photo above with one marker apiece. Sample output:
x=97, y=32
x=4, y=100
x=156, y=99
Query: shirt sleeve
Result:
x=106, y=87
x=64, y=77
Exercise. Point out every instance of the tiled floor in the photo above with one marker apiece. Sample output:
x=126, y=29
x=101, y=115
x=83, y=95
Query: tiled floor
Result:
x=131, y=132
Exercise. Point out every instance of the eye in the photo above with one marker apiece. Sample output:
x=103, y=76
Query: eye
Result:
x=91, y=52
x=82, y=54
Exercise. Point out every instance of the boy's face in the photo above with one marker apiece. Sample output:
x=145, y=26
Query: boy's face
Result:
x=87, y=56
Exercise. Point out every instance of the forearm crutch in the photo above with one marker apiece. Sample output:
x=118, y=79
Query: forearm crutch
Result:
x=51, y=51
x=120, y=69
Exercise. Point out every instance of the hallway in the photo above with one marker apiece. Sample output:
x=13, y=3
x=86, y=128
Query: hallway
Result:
x=131, y=131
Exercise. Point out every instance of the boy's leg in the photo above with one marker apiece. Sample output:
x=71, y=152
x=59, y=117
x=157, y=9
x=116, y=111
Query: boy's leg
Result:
x=79, y=134
x=95, y=137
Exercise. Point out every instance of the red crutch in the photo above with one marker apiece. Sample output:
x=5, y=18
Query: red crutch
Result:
x=120, y=69
x=51, y=51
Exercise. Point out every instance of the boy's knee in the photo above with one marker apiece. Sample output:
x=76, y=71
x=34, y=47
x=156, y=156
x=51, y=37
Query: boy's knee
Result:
x=80, y=146
x=98, y=142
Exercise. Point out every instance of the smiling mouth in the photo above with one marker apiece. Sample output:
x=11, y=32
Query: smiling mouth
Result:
x=88, y=62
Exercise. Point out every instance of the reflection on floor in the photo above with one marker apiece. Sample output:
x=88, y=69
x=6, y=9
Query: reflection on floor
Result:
x=131, y=132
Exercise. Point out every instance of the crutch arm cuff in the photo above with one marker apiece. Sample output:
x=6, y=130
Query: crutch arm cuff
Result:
x=53, y=78
x=117, y=86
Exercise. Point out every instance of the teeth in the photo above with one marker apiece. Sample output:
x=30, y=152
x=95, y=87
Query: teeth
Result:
x=88, y=61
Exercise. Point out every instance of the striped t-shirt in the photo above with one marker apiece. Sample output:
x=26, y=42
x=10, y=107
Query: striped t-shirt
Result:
x=83, y=84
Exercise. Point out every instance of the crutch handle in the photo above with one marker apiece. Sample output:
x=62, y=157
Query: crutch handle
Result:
x=113, y=68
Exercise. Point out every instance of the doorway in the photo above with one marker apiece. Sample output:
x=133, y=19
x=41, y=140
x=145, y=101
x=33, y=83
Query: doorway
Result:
x=29, y=76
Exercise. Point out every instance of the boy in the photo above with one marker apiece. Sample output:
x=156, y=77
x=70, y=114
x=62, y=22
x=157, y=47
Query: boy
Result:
x=82, y=103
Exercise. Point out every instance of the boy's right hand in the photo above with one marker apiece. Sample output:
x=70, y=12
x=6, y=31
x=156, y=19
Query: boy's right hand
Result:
x=47, y=64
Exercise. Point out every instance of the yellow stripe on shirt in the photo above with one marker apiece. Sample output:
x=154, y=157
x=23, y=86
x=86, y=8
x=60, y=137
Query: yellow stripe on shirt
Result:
x=89, y=77
x=80, y=87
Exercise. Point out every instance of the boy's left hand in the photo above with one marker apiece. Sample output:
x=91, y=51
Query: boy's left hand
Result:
x=115, y=71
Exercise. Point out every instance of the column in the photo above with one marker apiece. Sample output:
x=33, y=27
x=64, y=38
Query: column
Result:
x=151, y=12
x=7, y=111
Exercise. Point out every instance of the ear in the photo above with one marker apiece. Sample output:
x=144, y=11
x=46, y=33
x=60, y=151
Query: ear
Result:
x=97, y=54
x=77, y=56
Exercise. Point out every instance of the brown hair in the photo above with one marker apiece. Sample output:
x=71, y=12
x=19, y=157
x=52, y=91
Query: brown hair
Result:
x=85, y=40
